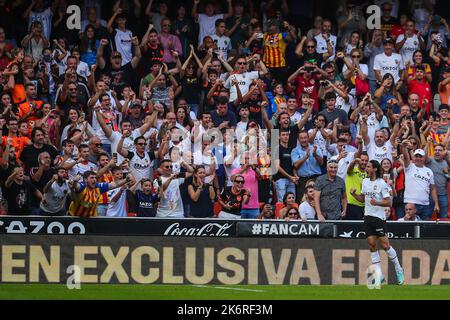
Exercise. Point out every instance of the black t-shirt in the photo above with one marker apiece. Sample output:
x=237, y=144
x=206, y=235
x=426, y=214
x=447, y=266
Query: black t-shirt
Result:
x=30, y=154
x=232, y=199
x=122, y=77
x=191, y=89
x=151, y=56
x=254, y=107
x=46, y=177
x=146, y=204
x=203, y=208
x=293, y=135
x=229, y=116
x=19, y=198
x=284, y=154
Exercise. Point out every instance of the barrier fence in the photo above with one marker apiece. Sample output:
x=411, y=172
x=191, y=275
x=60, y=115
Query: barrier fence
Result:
x=215, y=228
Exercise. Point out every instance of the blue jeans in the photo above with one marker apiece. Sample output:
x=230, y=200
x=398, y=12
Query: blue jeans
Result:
x=249, y=213
x=283, y=186
x=443, y=206
x=424, y=212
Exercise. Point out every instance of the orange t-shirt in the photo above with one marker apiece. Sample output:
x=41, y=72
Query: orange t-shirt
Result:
x=444, y=93
x=17, y=142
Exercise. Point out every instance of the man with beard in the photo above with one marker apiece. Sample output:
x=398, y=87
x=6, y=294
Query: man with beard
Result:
x=55, y=194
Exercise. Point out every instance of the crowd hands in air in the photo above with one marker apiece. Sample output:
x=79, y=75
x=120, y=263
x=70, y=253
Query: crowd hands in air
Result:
x=255, y=113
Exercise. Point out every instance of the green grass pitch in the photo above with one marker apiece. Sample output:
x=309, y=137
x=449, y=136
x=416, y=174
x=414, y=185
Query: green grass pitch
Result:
x=211, y=292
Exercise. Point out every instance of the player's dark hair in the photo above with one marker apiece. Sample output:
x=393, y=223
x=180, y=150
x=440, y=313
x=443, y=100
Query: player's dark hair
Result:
x=83, y=146
x=377, y=166
x=286, y=196
x=330, y=96
x=139, y=138
x=218, y=22
x=34, y=131
x=89, y=173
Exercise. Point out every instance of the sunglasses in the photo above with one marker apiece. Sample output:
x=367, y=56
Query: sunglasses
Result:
x=168, y=167
x=292, y=213
x=242, y=63
x=358, y=56
x=98, y=144
x=240, y=181
x=310, y=47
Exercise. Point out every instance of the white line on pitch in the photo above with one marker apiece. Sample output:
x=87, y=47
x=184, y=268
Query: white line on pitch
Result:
x=227, y=288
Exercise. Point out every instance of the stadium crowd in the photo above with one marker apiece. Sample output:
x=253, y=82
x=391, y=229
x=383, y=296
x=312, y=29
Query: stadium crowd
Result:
x=230, y=109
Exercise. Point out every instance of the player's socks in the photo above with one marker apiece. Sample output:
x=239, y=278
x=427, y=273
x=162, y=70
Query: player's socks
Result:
x=392, y=254
x=376, y=261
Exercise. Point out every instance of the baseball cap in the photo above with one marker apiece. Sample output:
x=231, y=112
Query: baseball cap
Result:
x=388, y=40
x=419, y=152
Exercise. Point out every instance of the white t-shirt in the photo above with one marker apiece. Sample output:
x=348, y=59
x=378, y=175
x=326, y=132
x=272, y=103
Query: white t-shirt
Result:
x=55, y=199
x=378, y=190
x=373, y=124
x=244, y=81
x=223, y=44
x=81, y=168
x=111, y=121
x=389, y=64
x=307, y=211
x=141, y=168
x=207, y=25
x=296, y=117
x=380, y=153
x=343, y=164
x=241, y=129
x=118, y=208
x=83, y=70
x=346, y=106
x=320, y=141
x=417, y=184
x=322, y=44
x=171, y=205
x=410, y=45
x=45, y=17
x=123, y=45
x=128, y=142
x=235, y=161
x=62, y=64
x=207, y=161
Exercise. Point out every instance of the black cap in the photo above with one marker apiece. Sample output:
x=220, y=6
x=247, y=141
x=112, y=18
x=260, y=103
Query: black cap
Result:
x=388, y=40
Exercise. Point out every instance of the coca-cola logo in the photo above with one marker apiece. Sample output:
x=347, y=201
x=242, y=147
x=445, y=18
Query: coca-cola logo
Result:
x=209, y=229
